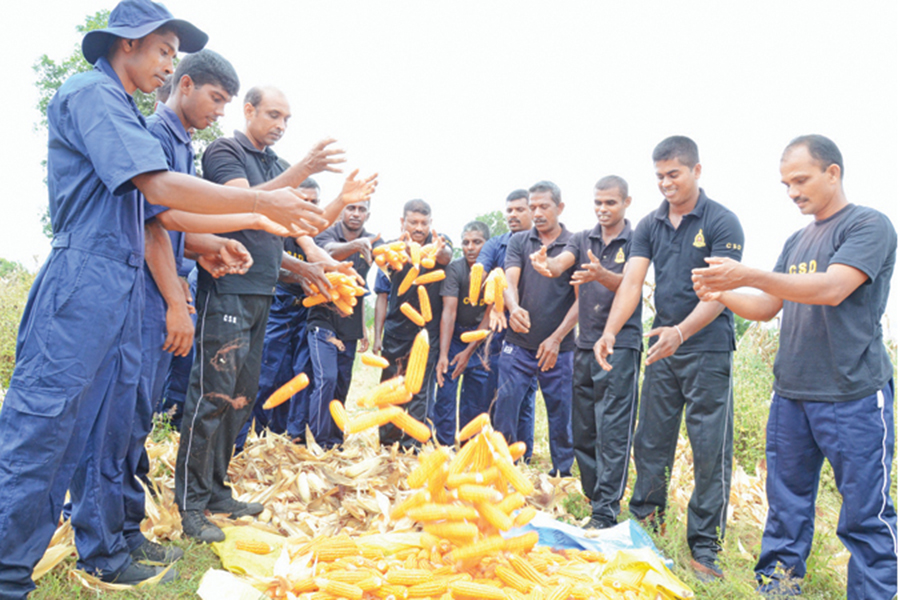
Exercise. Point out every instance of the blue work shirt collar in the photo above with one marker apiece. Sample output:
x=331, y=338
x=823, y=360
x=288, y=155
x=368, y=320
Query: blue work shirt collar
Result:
x=597, y=233
x=104, y=67
x=662, y=213
x=170, y=118
x=535, y=236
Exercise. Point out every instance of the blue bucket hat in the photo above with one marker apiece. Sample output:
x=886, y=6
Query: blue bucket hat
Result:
x=132, y=20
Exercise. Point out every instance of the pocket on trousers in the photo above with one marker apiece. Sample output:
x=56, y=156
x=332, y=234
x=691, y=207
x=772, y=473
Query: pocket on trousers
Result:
x=37, y=402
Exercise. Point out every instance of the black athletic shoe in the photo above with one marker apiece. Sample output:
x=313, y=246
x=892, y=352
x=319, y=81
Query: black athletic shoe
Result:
x=236, y=508
x=600, y=523
x=195, y=524
x=136, y=573
x=156, y=553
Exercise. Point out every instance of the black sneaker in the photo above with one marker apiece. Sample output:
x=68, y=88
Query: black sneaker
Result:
x=136, y=573
x=236, y=508
x=195, y=524
x=600, y=523
x=780, y=588
x=156, y=553
x=706, y=569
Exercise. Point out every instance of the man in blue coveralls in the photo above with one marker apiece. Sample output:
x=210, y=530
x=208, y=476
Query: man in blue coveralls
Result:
x=459, y=316
x=604, y=403
x=493, y=255
x=78, y=351
x=541, y=347
x=689, y=366
x=333, y=337
x=834, y=388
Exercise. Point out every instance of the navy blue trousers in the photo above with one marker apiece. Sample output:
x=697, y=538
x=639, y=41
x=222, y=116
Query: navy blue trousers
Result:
x=66, y=419
x=179, y=373
x=857, y=438
x=285, y=354
x=332, y=373
x=517, y=368
x=525, y=431
x=473, y=387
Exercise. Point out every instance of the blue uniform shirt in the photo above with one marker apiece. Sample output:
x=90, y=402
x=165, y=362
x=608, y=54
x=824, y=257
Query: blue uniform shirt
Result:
x=493, y=253
x=165, y=125
x=98, y=141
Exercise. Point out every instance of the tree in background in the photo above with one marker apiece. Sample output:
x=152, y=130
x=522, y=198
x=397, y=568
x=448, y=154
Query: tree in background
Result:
x=495, y=221
x=52, y=74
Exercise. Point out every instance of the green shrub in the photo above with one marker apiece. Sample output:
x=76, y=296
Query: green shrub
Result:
x=752, y=393
x=14, y=286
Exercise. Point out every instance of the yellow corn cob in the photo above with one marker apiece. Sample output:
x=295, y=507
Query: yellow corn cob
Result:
x=417, y=499
x=469, y=589
x=455, y=530
x=431, y=277
x=476, y=551
x=517, y=450
x=412, y=427
x=498, y=444
x=408, y=280
x=573, y=573
x=498, y=294
x=582, y=591
x=539, y=561
x=391, y=592
x=418, y=360
x=424, y=304
x=511, y=502
x=513, y=579
x=560, y=592
x=429, y=250
x=428, y=262
x=477, y=493
x=284, y=393
x=483, y=456
x=474, y=336
x=485, y=477
x=514, y=477
x=463, y=458
x=442, y=512
x=489, y=289
x=415, y=253
x=493, y=515
x=304, y=585
x=397, y=246
x=339, y=414
x=348, y=576
x=527, y=570
x=522, y=543
x=340, y=589
x=512, y=594
x=412, y=314
x=253, y=546
x=375, y=418
x=475, y=276
x=379, y=250
x=343, y=306
x=408, y=576
x=396, y=261
x=336, y=548
x=426, y=589
x=393, y=397
x=473, y=427
x=373, y=360
x=592, y=556
x=428, y=464
x=380, y=390
x=525, y=516
x=314, y=300
x=435, y=484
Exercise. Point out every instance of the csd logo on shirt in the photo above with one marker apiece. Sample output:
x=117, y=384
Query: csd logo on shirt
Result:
x=802, y=268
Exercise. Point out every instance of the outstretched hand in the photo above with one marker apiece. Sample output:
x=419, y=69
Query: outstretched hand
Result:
x=539, y=262
x=590, y=271
x=322, y=158
x=358, y=190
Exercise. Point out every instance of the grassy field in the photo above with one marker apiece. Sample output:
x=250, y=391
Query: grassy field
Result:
x=753, y=364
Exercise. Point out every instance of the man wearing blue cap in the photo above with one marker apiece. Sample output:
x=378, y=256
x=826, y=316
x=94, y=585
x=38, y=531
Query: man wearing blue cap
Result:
x=78, y=352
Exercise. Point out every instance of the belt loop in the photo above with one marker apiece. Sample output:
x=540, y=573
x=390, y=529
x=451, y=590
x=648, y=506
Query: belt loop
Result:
x=60, y=240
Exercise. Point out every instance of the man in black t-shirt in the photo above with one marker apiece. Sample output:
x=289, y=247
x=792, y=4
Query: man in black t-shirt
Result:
x=604, y=403
x=834, y=389
x=539, y=341
x=689, y=366
x=398, y=331
x=470, y=378
x=232, y=312
x=332, y=337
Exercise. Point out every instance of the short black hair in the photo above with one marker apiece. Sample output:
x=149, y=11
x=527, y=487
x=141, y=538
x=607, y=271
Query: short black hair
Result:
x=253, y=96
x=165, y=90
x=478, y=226
x=206, y=66
x=309, y=184
x=823, y=150
x=518, y=194
x=547, y=186
x=417, y=206
x=613, y=181
x=680, y=147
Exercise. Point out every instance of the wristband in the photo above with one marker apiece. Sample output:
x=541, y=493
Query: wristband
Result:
x=680, y=335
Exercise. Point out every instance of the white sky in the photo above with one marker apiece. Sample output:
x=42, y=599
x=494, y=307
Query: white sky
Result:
x=461, y=102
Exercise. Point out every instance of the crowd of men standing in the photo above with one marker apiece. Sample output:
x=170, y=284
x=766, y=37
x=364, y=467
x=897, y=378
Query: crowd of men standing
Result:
x=111, y=318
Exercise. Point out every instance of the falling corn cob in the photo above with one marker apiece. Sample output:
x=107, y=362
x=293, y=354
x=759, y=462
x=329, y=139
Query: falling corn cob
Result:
x=432, y=277
x=379, y=391
x=339, y=414
x=284, y=393
x=475, y=276
x=415, y=254
x=474, y=336
x=474, y=426
x=424, y=304
x=517, y=450
x=372, y=360
x=428, y=464
x=408, y=280
x=253, y=546
x=418, y=360
x=372, y=419
x=428, y=262
x=411, y=426
x=412, y=314
x=442, y=512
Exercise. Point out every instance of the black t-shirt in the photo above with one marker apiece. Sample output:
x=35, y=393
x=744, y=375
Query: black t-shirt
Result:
x=708, y=230
x=595, y=299
x=237, y=158
x=836, y=353
x=349, y=328
x=456, y=285
x=546, y=299
x=397, y=325
x=293, y=248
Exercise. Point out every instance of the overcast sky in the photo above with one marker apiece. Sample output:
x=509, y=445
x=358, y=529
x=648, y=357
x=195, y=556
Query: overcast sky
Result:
x=460, y=102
